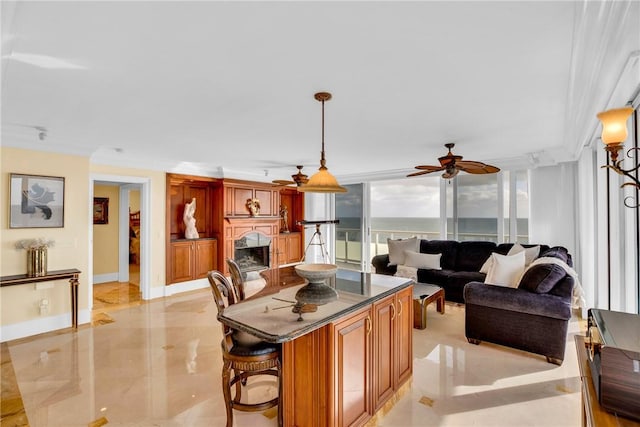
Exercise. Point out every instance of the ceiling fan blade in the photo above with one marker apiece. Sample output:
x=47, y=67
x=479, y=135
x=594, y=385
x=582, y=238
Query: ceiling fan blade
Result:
x=424, y=172
x=476, y=167
x=430, y=168
x=282, y=182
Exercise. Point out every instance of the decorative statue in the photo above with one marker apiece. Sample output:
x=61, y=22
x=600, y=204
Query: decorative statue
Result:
x=190, y=231
x=285, y=222
x=254, y=206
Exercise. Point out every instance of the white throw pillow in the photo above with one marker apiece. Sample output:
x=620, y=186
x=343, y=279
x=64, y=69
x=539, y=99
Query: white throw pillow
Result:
x=506, y=270
x=487, y=265
x=529, y=253
x=407, y=272
x=397, y=248
x=419, y=260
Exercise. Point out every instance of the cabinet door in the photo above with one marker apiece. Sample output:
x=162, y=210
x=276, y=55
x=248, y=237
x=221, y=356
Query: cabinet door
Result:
x=404, y=332
x=183, y=261
x=205, y=259
x=352, y=370
x=240, y=197
x=265, y=197
x=384, y=350
x=294, y=248
x=280, y=250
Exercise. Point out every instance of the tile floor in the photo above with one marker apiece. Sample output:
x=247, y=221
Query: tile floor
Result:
x=158, y=363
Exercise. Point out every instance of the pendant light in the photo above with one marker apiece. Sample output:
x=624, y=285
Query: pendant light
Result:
x=322, y=181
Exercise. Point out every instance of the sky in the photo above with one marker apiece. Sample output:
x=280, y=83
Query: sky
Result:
x=420, y=197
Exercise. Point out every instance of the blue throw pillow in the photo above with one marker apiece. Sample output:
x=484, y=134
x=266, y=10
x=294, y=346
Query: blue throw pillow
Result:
x=541, y=278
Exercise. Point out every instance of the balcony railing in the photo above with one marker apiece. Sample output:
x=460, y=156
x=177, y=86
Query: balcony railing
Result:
x=348, y=243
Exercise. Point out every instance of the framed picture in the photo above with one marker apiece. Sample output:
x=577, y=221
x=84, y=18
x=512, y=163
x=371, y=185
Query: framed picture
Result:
x=101, y=210
x=36, y=201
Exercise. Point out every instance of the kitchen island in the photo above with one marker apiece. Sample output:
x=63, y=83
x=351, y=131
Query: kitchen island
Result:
x=343, y=362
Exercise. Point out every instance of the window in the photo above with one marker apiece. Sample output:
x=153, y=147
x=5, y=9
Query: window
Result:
x=478, y=208
x=403, y=208
x=492, y=207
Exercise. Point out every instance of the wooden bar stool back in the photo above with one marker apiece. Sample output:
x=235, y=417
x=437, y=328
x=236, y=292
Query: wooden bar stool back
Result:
x=236, y=277
x=243, y=356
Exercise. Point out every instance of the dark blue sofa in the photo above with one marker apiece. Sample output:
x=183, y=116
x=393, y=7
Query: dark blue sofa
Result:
x=533, y=317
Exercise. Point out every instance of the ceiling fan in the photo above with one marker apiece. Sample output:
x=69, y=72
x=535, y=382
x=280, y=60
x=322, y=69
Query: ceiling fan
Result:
x=298, y=179
x=452, y=164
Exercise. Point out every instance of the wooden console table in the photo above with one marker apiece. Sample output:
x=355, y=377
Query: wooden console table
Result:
x=71, y=274
x=593, y=415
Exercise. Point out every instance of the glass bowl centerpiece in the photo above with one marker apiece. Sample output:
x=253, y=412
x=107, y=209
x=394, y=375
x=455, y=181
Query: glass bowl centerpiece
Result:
x=316, y=291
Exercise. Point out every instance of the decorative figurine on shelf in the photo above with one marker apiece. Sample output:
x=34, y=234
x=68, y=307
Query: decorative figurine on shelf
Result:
x=190, y=230
x=254, y=206
x=284, y=213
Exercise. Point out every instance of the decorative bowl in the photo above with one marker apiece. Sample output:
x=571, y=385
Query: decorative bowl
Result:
x=316, y=291
x=316, y=273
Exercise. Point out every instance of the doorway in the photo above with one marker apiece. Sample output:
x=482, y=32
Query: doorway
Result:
x=119, y=267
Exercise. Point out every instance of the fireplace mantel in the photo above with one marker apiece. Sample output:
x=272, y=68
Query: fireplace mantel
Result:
x=237, y=226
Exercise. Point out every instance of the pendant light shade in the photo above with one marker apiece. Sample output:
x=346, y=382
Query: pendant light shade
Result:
x=322, y=181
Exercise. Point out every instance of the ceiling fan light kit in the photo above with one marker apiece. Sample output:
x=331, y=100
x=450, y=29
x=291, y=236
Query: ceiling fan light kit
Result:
x=298, y=178
x=322, y=181
x=452, y=164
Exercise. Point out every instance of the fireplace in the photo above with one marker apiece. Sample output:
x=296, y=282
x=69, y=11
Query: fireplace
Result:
x=251, y=252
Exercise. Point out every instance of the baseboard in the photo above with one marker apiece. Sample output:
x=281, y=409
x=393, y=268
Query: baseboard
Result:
x=35, y=327
x=191, y=285
x=42, y=325
x=103, y=278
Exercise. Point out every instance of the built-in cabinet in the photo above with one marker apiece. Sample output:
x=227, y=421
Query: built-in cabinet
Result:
x=222, y=216
x=289, y=249
x=350, y=367
x=192, y=258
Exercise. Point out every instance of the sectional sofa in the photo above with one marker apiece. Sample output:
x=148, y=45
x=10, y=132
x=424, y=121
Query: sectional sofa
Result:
x=531, y=313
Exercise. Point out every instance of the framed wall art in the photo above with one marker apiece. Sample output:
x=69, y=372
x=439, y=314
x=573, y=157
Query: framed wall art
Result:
x=36, y=201
x=101, y=210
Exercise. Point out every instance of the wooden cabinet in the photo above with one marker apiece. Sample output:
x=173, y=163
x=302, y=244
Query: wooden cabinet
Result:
x=404, y=341
x=352, y=369
x=392, y=335
x=384, y=350
x=192, y=259
x=222, y=213
x=237, y=193
x=289, y=249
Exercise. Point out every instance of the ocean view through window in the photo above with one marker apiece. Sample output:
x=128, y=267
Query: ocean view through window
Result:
x=477, y=207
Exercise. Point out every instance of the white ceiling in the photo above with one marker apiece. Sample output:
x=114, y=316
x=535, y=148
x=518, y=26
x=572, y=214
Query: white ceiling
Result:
x=227, y=87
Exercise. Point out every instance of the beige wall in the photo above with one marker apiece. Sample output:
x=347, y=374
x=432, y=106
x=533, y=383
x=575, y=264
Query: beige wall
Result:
x=21, y=303
x=105, y=236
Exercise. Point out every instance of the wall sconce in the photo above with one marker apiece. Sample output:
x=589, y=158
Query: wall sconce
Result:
x=614, y=133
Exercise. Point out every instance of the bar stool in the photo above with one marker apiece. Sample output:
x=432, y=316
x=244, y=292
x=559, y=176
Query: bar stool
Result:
x=243, y=357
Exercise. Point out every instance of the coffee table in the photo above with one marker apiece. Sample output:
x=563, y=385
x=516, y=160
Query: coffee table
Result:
x=423, y=295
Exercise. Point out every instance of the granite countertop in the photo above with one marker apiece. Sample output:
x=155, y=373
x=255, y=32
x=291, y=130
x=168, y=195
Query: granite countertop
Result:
x=272, y=320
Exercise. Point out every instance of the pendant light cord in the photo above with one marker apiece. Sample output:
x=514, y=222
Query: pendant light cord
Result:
x=322, y=159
